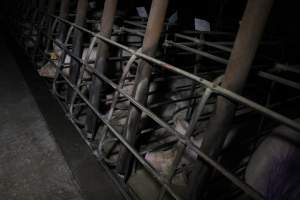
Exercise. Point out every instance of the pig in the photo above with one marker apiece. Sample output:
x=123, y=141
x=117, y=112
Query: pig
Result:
x=274, y=167
x=49, y=69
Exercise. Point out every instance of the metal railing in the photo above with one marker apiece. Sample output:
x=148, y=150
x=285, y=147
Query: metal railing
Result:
x=183, y=141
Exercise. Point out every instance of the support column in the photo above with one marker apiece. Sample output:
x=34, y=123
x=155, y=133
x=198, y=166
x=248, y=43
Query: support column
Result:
x=247, y=41
x=142, y=80
x=63, y=13
x=77, y=45
x=96, y=90
x=50, y=11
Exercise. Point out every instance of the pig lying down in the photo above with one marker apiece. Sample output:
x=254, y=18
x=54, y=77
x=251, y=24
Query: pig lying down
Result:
x=274, y=168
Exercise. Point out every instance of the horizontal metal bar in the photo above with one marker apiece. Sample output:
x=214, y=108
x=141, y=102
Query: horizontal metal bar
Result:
x=147, y=166
x=294, y=68
x=279, y=80
x=243, y=186
x=218, y=89
x=135, y=24
x=135, y=32
x=199, y=52
x=211, y=44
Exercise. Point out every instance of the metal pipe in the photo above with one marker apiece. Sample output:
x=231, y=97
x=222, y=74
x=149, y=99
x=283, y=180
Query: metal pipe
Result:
x=245, y=46
x=101, y=66
x=210, y=44
x=184, y=140
x=63, y=13
x=243, y=186
x=198, y=52
x=40, y=24
x=50, y=11
x=280, y=80
x=217, y=89
x=291, y=68
x=153, y=32
x=82, y=8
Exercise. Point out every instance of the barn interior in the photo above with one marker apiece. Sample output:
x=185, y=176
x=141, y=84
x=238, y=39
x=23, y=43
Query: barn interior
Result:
x=149, y=99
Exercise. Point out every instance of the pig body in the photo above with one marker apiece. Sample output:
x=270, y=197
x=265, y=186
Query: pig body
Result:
x=274, y=168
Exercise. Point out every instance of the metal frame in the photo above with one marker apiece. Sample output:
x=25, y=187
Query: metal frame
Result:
x=183, y=141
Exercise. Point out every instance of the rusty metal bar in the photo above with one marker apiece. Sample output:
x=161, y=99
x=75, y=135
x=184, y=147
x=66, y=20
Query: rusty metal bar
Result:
x=77, y=41
x=107, y=21
x=153, y=32
x=245, y=46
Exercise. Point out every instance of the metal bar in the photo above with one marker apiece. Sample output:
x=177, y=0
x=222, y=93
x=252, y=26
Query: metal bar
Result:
x=50, y=11
x=82, y=71
x=279, y=80
x=116, y=97
x=295, y=69
x=122, y=139
x=246, y=188
x=142, y=80
x=180, y=137
x=135, y=24
x=217, y=89
x=180, y=148
x=133, y=31
x=63, y=13
x=82, y=8
x=40, y=26
x=210, y=44
x=196, y=66
x=101, y=65
x=245, y=46
x=199, y=52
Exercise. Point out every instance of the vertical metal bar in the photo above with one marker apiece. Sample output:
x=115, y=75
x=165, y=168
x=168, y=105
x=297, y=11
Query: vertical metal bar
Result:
x=153, y=31
x=50, y=11
x=40, y=23
x=63, y=13
x=180, y=148
x=245, y=46
x=196, y=69
x=107, y=21
x=77, y=44
x=82, y=71
x=61, y=62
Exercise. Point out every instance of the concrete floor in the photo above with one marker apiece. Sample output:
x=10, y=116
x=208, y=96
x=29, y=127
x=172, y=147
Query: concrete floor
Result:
x=31, y=164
